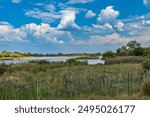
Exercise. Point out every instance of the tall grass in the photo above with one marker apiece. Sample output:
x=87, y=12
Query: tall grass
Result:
x=69, y=81
x=125, y=59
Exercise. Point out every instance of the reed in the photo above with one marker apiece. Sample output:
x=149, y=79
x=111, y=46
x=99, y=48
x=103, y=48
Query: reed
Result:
x=72, y=81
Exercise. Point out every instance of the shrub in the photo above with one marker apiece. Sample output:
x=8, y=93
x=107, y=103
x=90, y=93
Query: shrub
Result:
x=138, y=51
x=146, y=88
x=146, y=52
x=39, y=62
x=108, y=54
x=146, y=64
x=75, y=62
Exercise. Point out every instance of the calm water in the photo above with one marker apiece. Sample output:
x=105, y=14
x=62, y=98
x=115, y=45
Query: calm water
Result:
x=50, y=59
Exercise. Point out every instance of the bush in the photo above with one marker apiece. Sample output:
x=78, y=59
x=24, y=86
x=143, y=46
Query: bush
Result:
x=75, y=62
x=39, y=62
x=108, y=54
x=146, y=88
x=146, y=64
x=138, y=51
x=146, y=52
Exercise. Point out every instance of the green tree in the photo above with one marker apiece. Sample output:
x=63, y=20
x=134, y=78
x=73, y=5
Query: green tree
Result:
x=122, y=51
x=138, y=51
x=133, y=44
x=108, y=54
x=146, y=51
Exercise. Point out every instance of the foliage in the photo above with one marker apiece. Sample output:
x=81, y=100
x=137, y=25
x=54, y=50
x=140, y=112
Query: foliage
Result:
x=40, y=61
x=108, y=54
x=122, y=51
x=138, y=51
x=75, y=62
x=146, y=51
x=133, y=44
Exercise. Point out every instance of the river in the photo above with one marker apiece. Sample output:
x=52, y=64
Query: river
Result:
x=51, y=59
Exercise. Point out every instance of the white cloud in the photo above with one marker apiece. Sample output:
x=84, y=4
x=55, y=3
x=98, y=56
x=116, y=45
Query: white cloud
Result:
x=146, y=3
x=50, y=7
x=146, y=22
x=98, y=40
x=47, y=17
x=90, y=14
x=68, y=20
x=107, y=25
x=119, y=26
x=79, y=1
x=47, y=33
x=135, y=26
x=16, y=1
x=9, y=33
x=108, y=14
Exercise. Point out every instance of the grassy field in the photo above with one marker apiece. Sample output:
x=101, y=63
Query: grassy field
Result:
x=72, y=81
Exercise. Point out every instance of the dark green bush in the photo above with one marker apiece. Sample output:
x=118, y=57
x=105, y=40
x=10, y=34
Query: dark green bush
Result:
x=108, y=54
x=75, y=62
x=146, y=64
x=40, y=61
x=138, y=51
x=146, y=88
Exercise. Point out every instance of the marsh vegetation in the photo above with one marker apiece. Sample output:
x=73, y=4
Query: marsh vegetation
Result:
x=73, y=80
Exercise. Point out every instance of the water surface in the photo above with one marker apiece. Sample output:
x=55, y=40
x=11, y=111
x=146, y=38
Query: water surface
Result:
x=51, y=59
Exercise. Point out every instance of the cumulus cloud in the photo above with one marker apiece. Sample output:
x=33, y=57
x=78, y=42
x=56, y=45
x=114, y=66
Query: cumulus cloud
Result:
x=47, y=17
x=79, y=1
x=146, y=3
x=68, y=20
x=106, y=27
x=146, y=22
x=45, y=32
x=9, y=33
x=119, y=26
x=108, y=14
x=16, y=1
x=90, y=14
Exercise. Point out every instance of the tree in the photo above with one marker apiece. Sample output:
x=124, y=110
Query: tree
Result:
x=138, y=51
x=108, y=54
x=146, y=51
x=133, y=44
x=122, y=51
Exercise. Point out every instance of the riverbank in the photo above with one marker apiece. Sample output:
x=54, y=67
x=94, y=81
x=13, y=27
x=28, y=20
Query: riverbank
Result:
x=13, y=58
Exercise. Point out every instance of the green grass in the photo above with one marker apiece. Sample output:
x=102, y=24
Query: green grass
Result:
x=125, y=59
x=69, y=81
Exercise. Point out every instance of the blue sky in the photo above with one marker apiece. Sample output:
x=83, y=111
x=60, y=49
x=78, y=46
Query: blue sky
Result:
x=72, y=26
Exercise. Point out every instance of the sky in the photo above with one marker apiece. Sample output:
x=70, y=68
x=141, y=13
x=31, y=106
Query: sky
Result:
x=72, y=26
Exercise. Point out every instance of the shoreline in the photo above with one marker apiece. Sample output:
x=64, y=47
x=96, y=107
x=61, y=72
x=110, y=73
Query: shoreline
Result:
x=12, y=58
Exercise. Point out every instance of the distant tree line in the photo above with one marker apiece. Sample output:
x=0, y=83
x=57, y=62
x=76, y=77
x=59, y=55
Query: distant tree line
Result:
x=19, y=54
x=13, y=54
x=133, y=48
